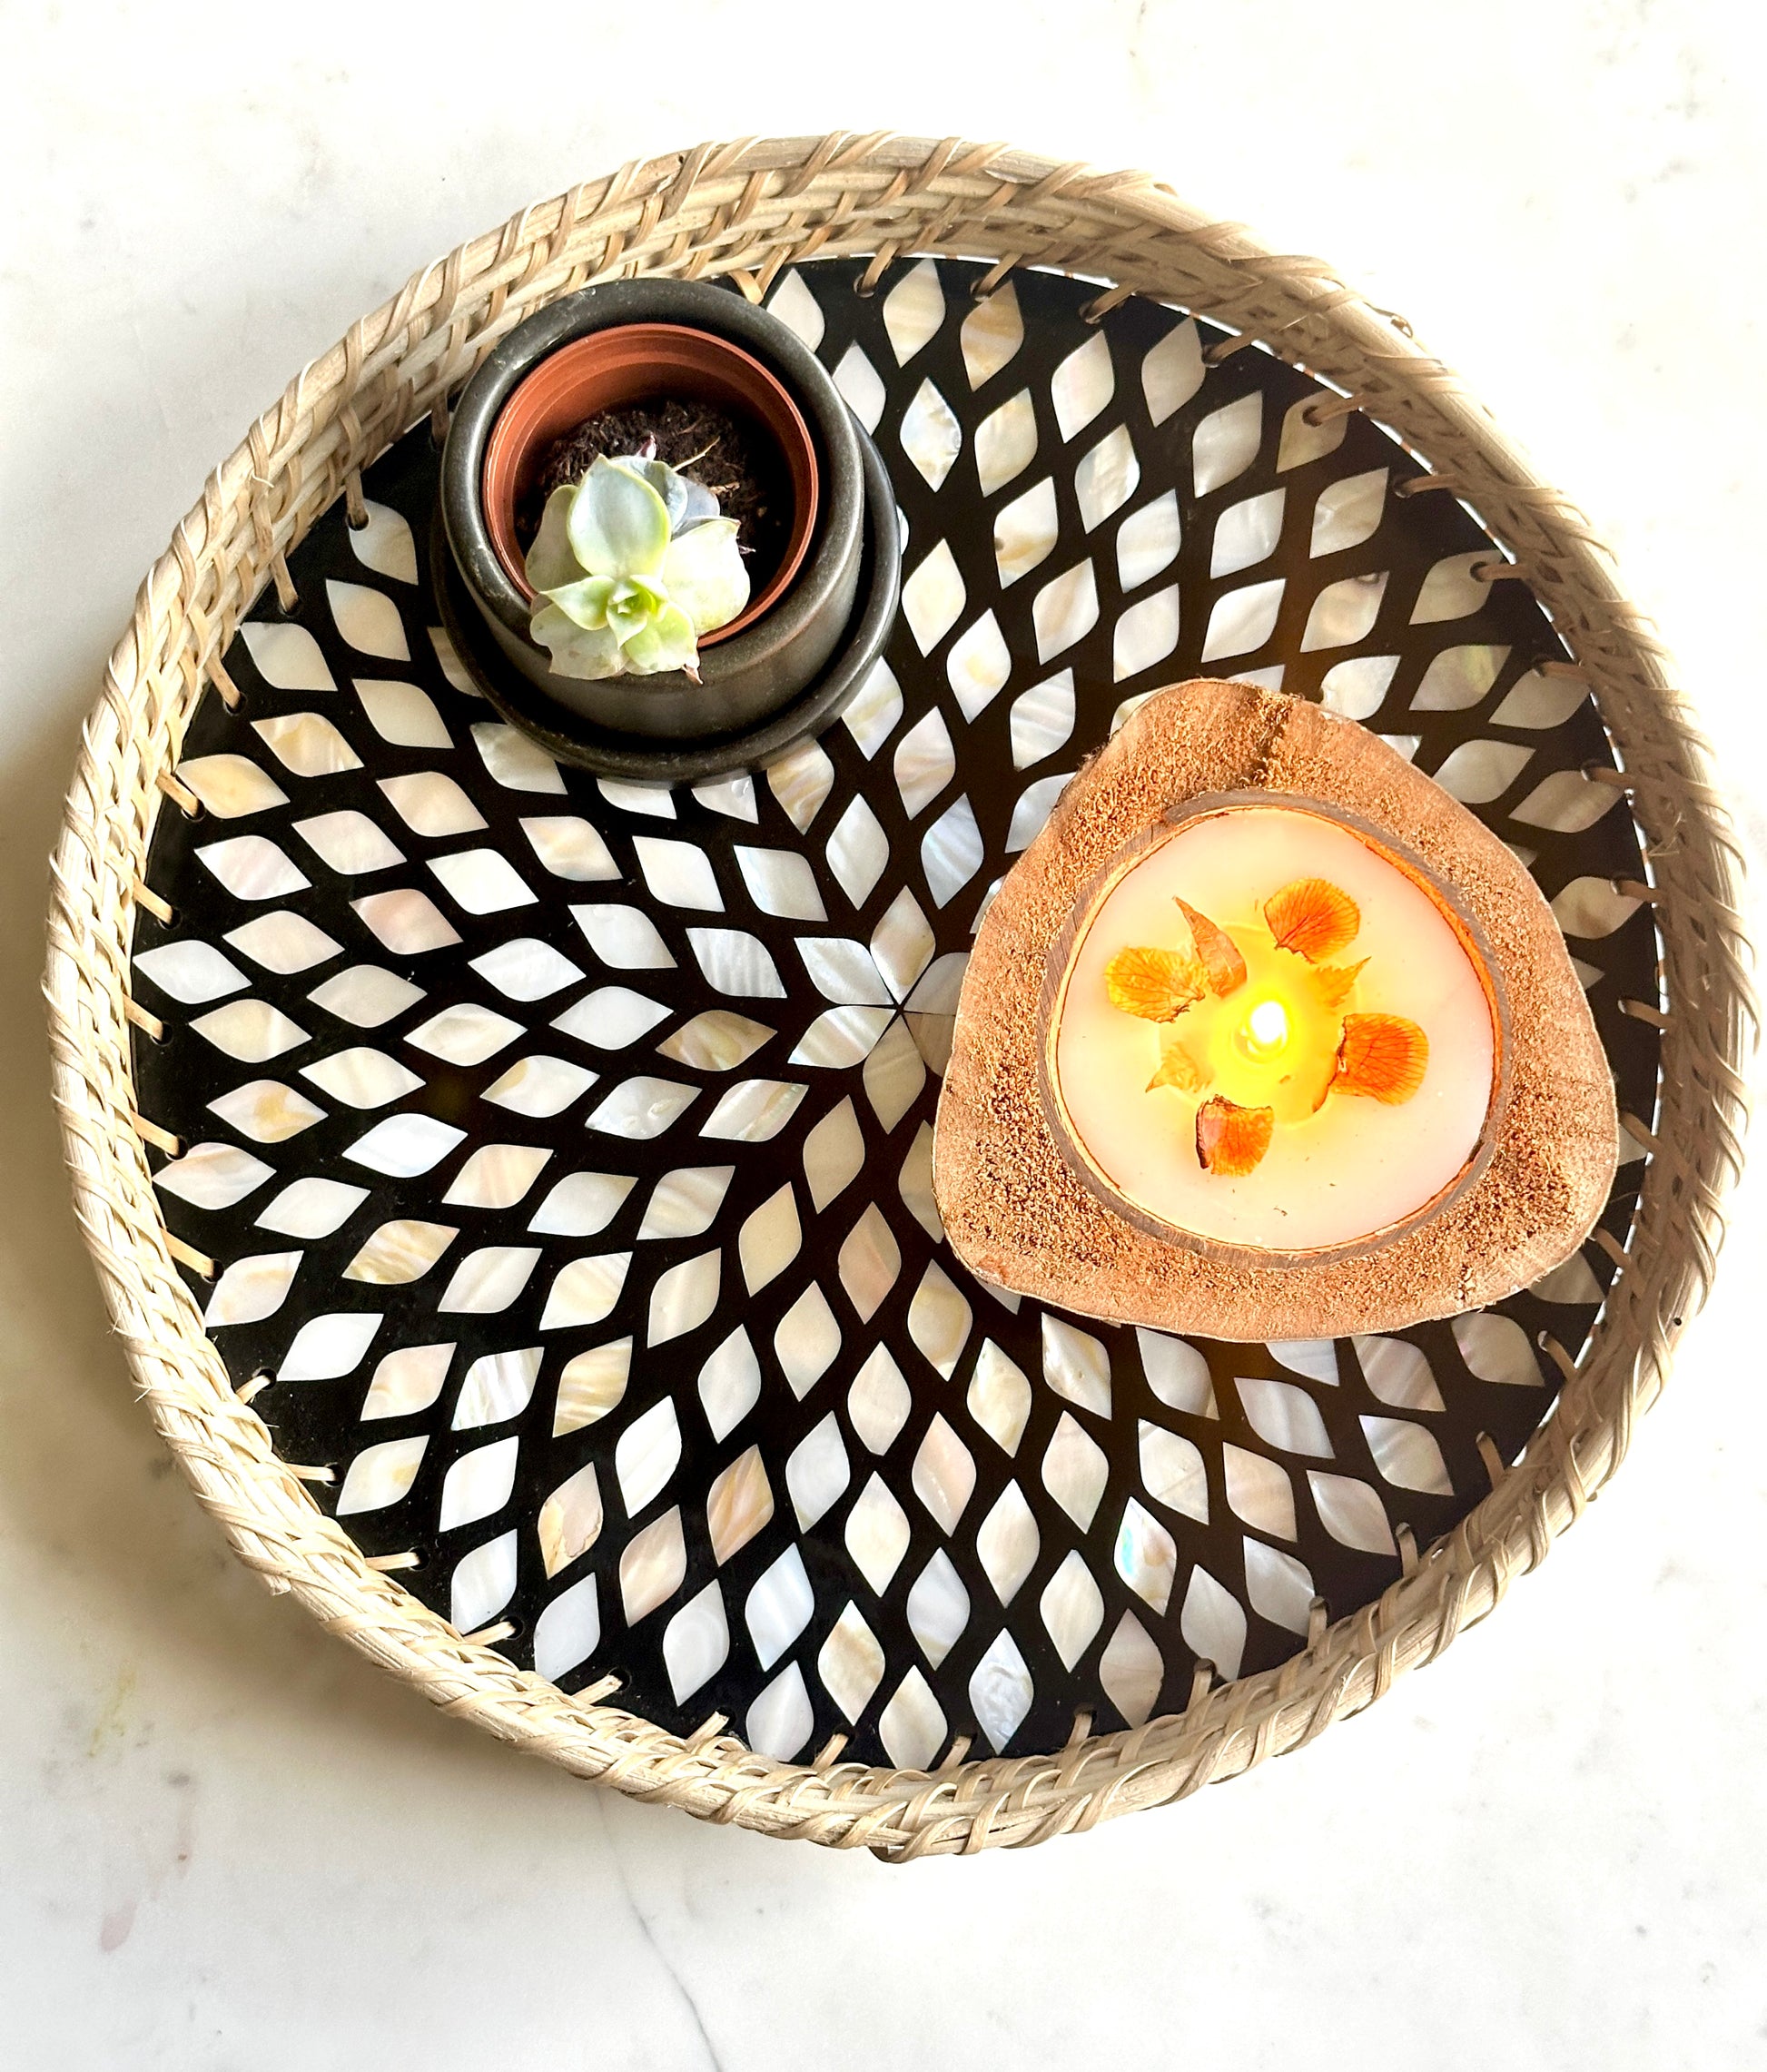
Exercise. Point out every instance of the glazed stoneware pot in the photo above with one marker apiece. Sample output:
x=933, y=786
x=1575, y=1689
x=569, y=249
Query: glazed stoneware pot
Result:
x=817, y=616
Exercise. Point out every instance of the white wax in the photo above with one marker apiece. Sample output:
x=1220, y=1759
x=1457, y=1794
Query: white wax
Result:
x=1358, y=1165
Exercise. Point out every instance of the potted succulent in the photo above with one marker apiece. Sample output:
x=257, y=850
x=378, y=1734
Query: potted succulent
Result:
x=669, y=548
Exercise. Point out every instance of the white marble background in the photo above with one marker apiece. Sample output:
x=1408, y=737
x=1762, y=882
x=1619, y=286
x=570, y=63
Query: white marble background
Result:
x=226, y=1842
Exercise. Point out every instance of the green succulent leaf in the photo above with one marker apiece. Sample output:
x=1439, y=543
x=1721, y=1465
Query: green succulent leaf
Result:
x=666, y=642
x=618, y=524
x=704, y=574
x=577, y=651
x=551, y=564
x=584, y=601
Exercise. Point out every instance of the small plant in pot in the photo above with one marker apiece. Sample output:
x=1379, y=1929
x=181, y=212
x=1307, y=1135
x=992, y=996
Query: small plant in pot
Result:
x=667, y=549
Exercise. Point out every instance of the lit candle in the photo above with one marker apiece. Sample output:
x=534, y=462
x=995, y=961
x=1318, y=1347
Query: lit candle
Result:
x=1273, y=1032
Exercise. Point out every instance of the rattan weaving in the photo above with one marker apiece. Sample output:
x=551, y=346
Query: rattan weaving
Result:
x=747, y=210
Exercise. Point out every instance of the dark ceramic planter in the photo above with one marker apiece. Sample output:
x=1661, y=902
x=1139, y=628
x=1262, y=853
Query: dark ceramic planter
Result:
x=790, y=661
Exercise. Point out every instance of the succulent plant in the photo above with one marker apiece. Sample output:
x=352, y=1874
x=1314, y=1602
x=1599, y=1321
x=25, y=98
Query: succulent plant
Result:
x=630, y=566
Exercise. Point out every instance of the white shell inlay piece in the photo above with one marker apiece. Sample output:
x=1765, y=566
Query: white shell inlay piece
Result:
x=571, y=1520
x=1280, y=1587
x=252, y=867
x=932, y=597
x=327, y=1348
x=311, y=1208
x=850, y=1662
x=267, y=1112
x=624, y=937
x=385, y=543
x=806, y=1340
x=496, y=1176
x=877, y=1533
x=978, y=666
x=1398, y=1373
x=379, y=1476
x=1459, y=677
x=925, y=761
x=861, y=386
x=730, y=1384
x=869, y=1260
x=401, y=1252
x=593, y=1384
x=769, y=1240
x=1451, y=590
x=914, y=1184
x=349, y=843
x=252, y=1289
x=736, y=963
x=526, y=969
x=1007, y=1543
x=912, y=1726
x=231, y=786
x=879, y=1401
x=407, y=1381
x=1227, y=442
x=653, y=1566
x=1147, y=1556
x=1172, y=372
x=361, y=1077
x=1025, y=532
x=483, y=1583
x=405, y=1145
x=695, y=1642
x=402, y=715
x=1131, y=1671
x=570, y=848
x=797, y=309
x=481, y=881
x=1071, y=1608
x=943, y=1475
x=951, y=852
x=738, y=1505
x=1260, y=1492
x=1302, y=440
x=585, y=1291
x=1107, y=477
x=515, y=762
x=998, y=1397
x=487, y=1281
x=366, y=995
x=894, y=1074
x=779, y=1607
x=1496, y=1349
x=1243, y=620
x=1284, y=1416
x=1537, y=701
x=1148, y=541
x=1212, y=1623
x=287, y=658
x=568, y=1631
x=250, y=1031
x=938, y=1320
x=931, y=436
x=540, y=1086
x=431, y=805
x=1567, y=802
x=214, y=1176
x=1477, y=772
x=466, y=1034
x=801, y=782
x=858, y=850
x=780, y=882
x=642, y=1108
x=497, y=1388
x=368, y=620
x=610, y=1018
x=875, y=714
x=1064, y=611
x=1006, y=442
x=1082, y=385
x=716, y=1040
x=1358, y=688
x=902, y=943
x=1247, y=533
x=816, y=1471
x=1343, y=612
x=1001, y=1692
x=685, y=1203
x=1043, y=719
x=407, y=922
x=1349, y=512
x=1076, y=1366
x=192, y=972
x=753, y=1111
x=781, y=1719
x=678, y=873
x=1173, y=1471
x=938, y=1608
x=647, y=1454
x=1350, y=1511
x=684, y=1297
x=580, y=1205
x=1074, y=1470
x=1145, y=634
x=992, y=335
x=283, y=943
x=1408, y=1455
x=913, y=309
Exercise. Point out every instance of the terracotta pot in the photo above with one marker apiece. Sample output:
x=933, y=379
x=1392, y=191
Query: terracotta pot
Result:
x=805, y=642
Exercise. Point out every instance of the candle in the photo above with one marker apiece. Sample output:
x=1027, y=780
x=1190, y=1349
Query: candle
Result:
x=1272, y=1033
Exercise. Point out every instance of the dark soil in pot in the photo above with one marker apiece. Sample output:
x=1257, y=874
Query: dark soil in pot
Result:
x=721, y=451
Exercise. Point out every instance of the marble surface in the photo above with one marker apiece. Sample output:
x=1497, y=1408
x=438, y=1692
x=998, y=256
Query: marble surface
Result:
x=225, y=1840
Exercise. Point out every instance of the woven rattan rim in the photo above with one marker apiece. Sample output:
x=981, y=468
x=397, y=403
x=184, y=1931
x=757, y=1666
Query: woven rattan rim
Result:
x=746, y=210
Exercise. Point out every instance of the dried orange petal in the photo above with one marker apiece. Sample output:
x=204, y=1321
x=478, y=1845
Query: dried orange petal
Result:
x=1178, y=1068
x=1231, y=1139
x=1217, y=948
x=1314, y=917
x=1382, y=1055
x=1156, y=984
x=1332, y=983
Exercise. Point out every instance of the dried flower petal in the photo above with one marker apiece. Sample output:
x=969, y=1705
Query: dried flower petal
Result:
x=1313, y=917
x=1332, y=983
x=1156, y=984
x=1217, y=948
x=1382, y=1055
x=1178, y=1068
x=1231, y=1139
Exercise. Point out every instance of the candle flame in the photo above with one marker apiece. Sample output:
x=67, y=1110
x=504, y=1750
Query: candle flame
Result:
x=1266, y=1030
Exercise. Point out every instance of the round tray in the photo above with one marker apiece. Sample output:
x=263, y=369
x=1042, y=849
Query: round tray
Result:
x=965, y=1526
